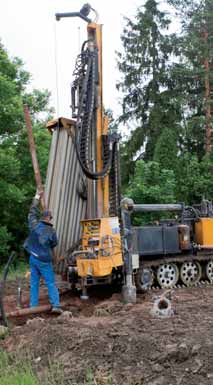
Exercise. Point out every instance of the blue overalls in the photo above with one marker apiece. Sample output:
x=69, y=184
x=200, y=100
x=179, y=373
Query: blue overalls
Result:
x=42, y=239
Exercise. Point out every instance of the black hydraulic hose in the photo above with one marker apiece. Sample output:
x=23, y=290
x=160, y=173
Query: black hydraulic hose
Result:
x=2, y=287
x=88, y=114
x=84, y=44
x=84, y=123
x=103, y=172
x=193, y=210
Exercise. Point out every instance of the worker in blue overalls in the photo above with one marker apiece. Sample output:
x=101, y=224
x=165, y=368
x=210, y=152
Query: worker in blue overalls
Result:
x=39, y=244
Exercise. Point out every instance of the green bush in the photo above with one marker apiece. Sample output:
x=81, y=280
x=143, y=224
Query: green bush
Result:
x=5, y=239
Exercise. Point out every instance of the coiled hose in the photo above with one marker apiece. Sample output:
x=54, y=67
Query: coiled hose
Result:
x=85, y=73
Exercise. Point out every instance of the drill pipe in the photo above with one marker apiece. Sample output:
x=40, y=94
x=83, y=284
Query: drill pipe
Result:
x=30, y=310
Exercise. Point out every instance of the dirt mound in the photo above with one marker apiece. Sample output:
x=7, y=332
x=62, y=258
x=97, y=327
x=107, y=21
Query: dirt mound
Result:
x=125, y=344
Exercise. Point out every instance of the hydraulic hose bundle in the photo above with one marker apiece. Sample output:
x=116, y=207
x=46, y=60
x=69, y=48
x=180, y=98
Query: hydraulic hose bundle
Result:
x=85, y=90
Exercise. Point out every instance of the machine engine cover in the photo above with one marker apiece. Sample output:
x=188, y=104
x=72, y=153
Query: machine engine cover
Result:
x=204, y=232
x=155, y=240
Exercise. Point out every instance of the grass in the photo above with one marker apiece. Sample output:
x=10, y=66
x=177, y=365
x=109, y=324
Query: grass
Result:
x=20, y=370
x=16, y=270
x=17, y=370
x=14, y=372
x=100, y=377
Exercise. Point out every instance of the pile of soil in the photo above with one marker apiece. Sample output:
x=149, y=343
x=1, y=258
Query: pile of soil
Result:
x=124, y=344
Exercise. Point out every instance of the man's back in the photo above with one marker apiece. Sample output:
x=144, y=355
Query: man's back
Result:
x=42, y=238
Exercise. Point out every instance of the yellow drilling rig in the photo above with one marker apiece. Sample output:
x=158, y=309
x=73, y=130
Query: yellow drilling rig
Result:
x=97, y=242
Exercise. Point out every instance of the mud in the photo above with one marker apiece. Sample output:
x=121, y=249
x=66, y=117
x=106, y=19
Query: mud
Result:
x=124, y=344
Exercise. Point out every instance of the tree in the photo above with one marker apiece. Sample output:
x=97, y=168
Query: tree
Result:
x=17, y=185
x=166, y=150
x=196, y=52
x=147, y=100
x=169, y=106
x=151, y=184
x=194, y=179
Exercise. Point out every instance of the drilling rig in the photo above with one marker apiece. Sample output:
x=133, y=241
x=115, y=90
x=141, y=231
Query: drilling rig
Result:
x=98, y=258
x=97, y=242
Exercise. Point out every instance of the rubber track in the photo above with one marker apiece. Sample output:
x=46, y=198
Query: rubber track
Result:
x=200, y=284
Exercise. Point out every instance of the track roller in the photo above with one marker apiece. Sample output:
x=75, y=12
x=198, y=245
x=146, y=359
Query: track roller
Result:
x=167, y=275
x=209, y=270
x=190, y=273
x=144, y=279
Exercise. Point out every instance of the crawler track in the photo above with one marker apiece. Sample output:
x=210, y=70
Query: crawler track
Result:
x=176, y=272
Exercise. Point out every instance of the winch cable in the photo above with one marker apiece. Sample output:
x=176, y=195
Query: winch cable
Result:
x=85, y=72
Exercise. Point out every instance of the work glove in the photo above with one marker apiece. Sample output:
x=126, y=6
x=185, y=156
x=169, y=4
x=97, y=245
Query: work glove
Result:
x=38, y=195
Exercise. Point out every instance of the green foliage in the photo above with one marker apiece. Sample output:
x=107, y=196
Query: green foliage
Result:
x=166, y=150
x=5, y=241
x=17, y=183
x=37, y=101
x=17, y=270
x=194, y=179
x=151, y=184
x=13, y=79
x=163, y=82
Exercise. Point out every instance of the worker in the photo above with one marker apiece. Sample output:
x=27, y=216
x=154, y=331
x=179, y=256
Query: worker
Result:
x=39, y=244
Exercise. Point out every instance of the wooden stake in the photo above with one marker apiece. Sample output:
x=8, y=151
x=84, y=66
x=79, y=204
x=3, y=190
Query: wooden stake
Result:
x=34, y=155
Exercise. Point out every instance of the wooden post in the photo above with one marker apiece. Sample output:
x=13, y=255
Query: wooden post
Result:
x=34, y=155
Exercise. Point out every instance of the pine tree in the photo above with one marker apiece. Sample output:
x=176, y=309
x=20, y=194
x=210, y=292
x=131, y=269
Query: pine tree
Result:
x=196, y=54
x=166, y=150
x=149, y=104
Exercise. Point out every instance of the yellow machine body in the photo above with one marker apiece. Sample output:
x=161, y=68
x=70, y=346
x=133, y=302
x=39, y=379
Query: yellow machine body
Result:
x=102, y=238
x=204, y=232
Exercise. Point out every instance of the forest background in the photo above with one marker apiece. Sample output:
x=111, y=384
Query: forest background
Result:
x=166, y=89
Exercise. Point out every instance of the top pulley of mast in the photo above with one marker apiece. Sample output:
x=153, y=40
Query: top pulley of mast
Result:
x=83, y=14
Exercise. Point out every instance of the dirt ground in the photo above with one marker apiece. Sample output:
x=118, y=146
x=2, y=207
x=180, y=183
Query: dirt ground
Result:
x=122, y=344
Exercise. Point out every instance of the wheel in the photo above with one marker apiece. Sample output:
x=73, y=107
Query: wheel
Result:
x=190, y=273
x=144, y=279
x=167, y=275
x=209, y=271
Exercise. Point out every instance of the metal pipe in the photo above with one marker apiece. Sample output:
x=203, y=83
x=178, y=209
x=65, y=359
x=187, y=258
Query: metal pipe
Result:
x=72, y=14
x=28, y=311
x=31, y=310
x=19, y=297
x=157, y=207
x=128, y=289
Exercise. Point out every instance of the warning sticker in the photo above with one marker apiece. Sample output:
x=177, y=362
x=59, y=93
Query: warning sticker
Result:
x=114, y=224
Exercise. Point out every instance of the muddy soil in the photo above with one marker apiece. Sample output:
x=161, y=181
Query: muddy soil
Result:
x=124, y=344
